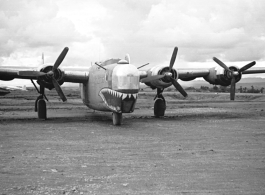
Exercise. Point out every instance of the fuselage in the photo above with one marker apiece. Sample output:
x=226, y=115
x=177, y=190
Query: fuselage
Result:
x=113, y=89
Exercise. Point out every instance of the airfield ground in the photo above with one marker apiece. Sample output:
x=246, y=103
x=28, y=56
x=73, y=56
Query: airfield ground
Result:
x=206, y=144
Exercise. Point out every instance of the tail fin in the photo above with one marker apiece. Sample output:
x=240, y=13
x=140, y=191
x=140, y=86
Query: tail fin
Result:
x=127, y=58
x=42, y=57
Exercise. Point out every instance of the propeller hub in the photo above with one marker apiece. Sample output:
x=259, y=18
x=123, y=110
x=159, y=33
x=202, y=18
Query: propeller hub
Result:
x=168, y=74
x=232, y=72
x=235, y=73
x=50, y=74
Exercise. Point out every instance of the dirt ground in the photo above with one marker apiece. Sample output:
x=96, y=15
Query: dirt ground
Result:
x=205, y=144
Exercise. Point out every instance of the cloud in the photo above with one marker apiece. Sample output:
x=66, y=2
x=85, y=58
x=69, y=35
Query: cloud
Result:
x=148, y=30
x=29, y=25
x=220, y=28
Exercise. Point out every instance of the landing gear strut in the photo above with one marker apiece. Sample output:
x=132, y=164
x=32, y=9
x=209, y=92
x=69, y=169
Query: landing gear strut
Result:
x=117, y=118
x=160, y=104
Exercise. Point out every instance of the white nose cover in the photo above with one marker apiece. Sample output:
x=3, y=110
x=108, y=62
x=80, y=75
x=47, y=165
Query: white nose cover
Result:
x=125, y=77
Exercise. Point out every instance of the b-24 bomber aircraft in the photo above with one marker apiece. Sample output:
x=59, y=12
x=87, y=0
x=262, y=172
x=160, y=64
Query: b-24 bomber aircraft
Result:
x=113, y=85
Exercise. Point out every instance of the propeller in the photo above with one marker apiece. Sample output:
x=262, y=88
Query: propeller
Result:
x=168, y=75
x=50, y=74
x=232, y=74
x=152, y=78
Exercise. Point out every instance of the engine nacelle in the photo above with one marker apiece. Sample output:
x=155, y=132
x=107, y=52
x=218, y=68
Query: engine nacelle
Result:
x=220, y=76
x=161, y=83
x=188, y=79
x=46, y=81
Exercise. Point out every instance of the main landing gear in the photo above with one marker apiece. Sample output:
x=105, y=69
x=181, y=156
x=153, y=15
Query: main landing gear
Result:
x=117, y=118
x=160, y=104
x=41, y=108
x=40, y=104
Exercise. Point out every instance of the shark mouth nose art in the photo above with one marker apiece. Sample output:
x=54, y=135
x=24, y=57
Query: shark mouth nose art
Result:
x=117, y=101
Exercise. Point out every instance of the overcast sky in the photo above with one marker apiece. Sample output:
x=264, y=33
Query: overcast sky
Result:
x=95, y=30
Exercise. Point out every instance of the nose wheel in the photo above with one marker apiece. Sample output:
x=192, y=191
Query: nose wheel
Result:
x=117, y=118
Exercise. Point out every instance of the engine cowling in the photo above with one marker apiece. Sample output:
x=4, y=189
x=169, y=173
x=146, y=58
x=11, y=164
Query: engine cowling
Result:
x=46, y=80
x=220, y=76
x=164, y=82
x=188, y=79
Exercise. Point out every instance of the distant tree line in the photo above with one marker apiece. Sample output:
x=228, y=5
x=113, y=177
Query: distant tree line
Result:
x=251, y=90
x=226, y=89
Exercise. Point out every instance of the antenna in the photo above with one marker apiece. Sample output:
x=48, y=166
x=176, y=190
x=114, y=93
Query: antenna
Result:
x=100, y=66
x=142, y=66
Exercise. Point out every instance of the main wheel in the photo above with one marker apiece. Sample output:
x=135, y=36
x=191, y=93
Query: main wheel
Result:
x=159, y=107
x=42, y=111
x=117, y=118
x=36, y=102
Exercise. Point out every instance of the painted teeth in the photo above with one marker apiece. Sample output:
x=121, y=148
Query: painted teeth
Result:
x=115, y=94
x=120, y=95
x=124, y=96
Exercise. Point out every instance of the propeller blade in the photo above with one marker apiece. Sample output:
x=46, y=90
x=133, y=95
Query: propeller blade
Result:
x=233, y=88
x=58, y=89
x=221, y=64
x=178, y=87
x=247, y=66
x=152, y=78
x=173, y=58
x=31, y=73
x=60, y=59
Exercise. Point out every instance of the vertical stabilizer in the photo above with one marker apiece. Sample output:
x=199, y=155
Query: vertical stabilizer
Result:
x=42, y=57
x=127, y=58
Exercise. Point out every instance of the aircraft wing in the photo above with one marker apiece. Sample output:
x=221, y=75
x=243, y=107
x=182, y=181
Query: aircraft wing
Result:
x=254, y=71
x=192, y=73
x=48, y=76
x=195, y=73
x=8, y=73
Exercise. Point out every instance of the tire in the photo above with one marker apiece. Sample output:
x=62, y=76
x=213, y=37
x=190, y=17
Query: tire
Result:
x=36, y=102
x=159, y=107
x=42, y=111
x=117, y=118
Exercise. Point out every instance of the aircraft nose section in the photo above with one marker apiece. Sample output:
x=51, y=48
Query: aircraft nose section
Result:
x=123, y=88
x=125, y=78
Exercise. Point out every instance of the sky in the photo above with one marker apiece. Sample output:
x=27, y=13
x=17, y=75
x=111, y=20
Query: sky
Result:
x=148, y=30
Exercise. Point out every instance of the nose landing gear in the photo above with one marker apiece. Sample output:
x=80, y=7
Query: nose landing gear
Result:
x=117, y=118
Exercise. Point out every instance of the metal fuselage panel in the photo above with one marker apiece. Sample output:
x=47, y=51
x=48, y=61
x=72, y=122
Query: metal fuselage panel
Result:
x=90, y=90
